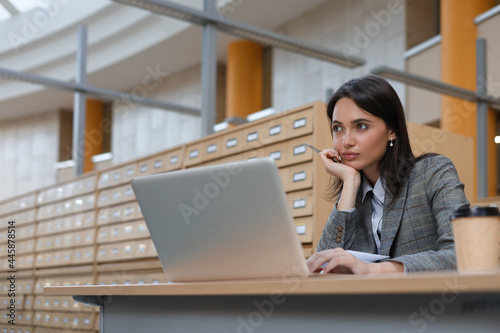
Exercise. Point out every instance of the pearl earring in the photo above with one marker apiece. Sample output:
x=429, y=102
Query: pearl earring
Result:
x=391, y=144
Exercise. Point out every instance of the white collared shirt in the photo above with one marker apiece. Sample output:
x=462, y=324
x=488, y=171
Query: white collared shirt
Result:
x=377, y=206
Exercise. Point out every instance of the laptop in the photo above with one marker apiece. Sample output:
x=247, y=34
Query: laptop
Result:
x=221, y=222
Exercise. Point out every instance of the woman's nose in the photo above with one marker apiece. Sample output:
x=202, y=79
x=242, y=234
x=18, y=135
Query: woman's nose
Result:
x=348, y=139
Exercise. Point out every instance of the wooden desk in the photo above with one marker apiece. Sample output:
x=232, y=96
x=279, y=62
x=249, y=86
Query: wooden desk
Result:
x=430, y=302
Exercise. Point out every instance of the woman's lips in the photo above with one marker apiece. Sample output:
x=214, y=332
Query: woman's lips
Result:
x=350, y=156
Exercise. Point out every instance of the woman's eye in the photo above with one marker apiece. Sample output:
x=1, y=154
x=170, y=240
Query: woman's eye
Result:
x=362, y=126
x=336, y=128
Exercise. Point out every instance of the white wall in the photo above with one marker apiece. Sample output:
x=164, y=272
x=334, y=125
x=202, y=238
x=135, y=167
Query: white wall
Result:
x=488, y=29
x=424, y=106
x=28, y=152
x=138, y=131
x=371, y=29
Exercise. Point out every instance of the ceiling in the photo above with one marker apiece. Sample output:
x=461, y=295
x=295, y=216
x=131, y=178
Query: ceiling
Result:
x=123, y=42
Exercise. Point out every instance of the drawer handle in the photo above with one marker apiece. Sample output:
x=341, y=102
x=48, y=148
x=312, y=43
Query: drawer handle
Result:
x=212, y=148
x=299, y=123
x=299, y=203
x=301, y=229
x=144, y=168
x=231, y=143
x=275, y=130
x=252, y=136
x=299, y=176
x=158, y=164
x=276, y=155
x=174, y=159
x=299, y=150
x=193, y=154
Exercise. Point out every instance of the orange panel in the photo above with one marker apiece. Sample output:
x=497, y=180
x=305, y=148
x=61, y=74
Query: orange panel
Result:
x=243, y=79
x=93, y=133
x=458, y=60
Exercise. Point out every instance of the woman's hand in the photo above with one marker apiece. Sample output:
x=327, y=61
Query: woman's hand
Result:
x=333, y=164
x=350, y=176
x=339, y=260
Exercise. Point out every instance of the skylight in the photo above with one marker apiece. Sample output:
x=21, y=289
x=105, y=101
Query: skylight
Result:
x=8, y=8
x=4, y=14
x=25, y=5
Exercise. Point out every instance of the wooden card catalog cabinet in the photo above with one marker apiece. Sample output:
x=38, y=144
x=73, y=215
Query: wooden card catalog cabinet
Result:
x=94, y=225
x=282, y=138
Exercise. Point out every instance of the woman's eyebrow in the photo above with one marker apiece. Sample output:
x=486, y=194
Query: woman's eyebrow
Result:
x=354, y=121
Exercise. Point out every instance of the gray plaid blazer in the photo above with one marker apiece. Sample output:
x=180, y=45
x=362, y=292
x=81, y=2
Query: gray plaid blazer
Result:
x=416, y=227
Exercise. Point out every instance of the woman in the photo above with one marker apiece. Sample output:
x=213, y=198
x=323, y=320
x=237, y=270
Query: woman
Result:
x=390, y=203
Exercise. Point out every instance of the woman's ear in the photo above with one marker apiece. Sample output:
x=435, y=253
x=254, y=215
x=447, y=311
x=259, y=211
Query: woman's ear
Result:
x=392, y=134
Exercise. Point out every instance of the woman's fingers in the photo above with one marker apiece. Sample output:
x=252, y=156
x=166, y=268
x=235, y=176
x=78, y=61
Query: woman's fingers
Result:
x=334, y=153
x=336, y=261
x=311, y=262
x=331, y=154
x=340, y=264
x=318, y=260
x=339, y=170
x=315, y=261
x=330, y=159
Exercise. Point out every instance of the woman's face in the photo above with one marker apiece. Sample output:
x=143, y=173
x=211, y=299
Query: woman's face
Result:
x=360, y=137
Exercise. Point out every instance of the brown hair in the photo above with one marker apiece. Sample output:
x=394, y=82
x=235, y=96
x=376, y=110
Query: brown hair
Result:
x=376, y=96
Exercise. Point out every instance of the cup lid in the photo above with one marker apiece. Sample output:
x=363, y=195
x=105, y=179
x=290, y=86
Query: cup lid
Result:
x=465, y=211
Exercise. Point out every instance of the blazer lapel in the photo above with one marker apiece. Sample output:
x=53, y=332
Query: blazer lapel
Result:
x=392, y=218
x=364, y=234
